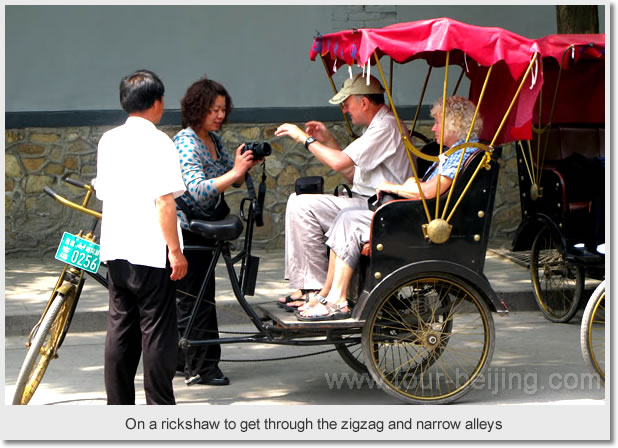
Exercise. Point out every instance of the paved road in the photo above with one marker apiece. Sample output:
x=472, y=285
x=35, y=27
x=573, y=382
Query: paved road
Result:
x=534, y=361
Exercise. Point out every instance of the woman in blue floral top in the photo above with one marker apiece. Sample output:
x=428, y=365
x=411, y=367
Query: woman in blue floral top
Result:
x=207, y=171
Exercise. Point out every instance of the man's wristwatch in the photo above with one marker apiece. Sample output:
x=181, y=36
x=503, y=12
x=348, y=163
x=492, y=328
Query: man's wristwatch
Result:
x=309, y=141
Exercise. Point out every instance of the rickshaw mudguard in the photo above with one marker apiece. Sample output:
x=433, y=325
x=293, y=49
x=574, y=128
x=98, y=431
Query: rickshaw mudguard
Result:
x=468, y=278
x=529, y=228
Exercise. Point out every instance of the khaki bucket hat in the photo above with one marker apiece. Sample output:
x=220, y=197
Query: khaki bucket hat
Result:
x=357, y=86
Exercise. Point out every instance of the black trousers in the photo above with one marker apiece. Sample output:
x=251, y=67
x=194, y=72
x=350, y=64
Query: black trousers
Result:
x=142, y=319
x=204, y=359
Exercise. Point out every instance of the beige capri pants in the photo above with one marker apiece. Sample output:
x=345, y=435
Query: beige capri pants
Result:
x=349, y=232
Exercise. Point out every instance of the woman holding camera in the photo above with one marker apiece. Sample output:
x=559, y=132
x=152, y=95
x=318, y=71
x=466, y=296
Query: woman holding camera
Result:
x=207, y=171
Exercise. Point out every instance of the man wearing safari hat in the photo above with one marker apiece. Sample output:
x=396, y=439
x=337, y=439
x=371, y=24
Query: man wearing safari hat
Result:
x=377, y=156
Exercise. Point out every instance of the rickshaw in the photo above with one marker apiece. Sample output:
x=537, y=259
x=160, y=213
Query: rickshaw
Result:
x=421, y=323
x=561, y=174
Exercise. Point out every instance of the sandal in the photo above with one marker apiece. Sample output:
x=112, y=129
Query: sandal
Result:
x=328, y=311
x=288, y=299
x=294, y=304
x=309, y=305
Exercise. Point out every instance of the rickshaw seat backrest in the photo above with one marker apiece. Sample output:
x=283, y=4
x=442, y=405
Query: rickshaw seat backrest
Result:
x=565, y=140
x=397, y=225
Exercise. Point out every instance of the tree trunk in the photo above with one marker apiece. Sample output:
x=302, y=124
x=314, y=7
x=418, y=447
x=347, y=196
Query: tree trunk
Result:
x=577, y=19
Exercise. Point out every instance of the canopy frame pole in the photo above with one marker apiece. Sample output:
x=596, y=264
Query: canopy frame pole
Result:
x=390, y=77
x=404, y=137
x=420, y=101
x=553, y=107
x=442, y=121
x=476, y=113
x=332, y=84
x=459, y=81
x=514, y=100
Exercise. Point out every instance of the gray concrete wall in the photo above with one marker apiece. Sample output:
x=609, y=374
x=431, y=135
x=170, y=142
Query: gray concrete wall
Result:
x=72, y=57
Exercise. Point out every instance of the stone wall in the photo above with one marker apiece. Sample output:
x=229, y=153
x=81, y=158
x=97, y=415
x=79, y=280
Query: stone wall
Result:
x=39, y=157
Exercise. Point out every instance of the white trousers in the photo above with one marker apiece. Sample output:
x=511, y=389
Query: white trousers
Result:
x=307, y=219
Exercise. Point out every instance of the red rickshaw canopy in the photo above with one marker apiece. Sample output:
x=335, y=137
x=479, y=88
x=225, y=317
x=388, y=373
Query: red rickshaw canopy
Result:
x=474, y=48
x=581, y=92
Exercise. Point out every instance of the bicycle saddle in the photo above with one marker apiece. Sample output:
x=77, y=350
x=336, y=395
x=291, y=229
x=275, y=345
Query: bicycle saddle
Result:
x=226, y=229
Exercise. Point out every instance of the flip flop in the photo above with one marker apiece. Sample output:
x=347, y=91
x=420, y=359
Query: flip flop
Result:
x=333, y=312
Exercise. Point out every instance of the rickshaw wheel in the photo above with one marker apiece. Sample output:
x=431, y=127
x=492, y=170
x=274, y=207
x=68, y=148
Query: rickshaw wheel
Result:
x=558, y=285
x=427, y=338
x=352, y=353
x=592, y=333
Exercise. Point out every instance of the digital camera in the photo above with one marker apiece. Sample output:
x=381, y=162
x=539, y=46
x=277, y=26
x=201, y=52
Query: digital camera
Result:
x=260, y=149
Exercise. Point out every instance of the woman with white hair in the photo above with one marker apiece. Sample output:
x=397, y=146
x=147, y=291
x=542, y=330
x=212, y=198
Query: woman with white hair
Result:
x=351, y=228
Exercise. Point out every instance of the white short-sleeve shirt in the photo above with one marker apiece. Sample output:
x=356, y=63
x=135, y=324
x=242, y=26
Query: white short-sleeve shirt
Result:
x=379, y=155
x=136, y=164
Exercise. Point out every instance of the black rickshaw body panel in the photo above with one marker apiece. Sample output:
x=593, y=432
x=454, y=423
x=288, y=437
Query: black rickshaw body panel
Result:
x=397, y=237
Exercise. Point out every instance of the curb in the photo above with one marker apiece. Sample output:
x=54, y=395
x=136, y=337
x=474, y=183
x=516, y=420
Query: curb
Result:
x=229, y=313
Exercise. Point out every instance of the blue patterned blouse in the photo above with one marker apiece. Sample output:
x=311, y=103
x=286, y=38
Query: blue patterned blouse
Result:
x=199, y=171
x=449, y=167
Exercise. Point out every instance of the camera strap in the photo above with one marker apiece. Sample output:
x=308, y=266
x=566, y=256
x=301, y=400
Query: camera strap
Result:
x=259, y=204
x=262, y=193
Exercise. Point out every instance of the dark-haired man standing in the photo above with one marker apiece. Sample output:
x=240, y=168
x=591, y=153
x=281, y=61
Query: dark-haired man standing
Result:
x=138, y=177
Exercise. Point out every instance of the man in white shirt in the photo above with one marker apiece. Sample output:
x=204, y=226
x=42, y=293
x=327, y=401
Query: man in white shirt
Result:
x=138, y=177
x=377, y=156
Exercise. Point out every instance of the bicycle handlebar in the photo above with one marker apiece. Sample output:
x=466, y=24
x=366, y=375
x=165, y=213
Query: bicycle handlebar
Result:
x=78, y=183
x=73, y=205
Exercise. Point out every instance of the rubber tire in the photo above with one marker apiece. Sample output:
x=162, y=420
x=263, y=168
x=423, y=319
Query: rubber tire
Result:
x=542, y=296
x=48, y=335
x=383, y=293
x=352, y=354
x=594, y=319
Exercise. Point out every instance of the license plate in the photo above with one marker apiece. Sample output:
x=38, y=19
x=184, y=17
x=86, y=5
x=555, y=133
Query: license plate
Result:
x=79, y=252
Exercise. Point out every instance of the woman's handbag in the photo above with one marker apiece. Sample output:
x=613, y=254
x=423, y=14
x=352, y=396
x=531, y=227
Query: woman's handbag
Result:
x=218, y=212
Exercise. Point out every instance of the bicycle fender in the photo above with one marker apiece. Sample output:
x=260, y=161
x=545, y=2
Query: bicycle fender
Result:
x=468, y=277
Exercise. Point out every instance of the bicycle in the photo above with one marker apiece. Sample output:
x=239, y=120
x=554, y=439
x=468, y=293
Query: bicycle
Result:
x=592, y=334
x=81, y=255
